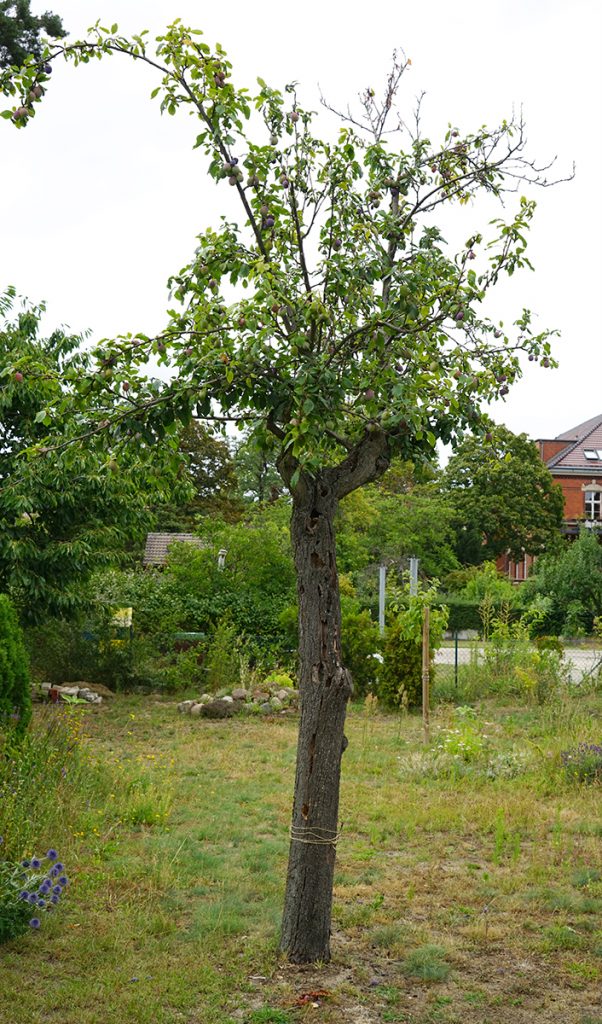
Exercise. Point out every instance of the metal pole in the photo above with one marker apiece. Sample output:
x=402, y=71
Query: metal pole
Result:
x=382, y=575
x=413, y=576
x=456, y=659
x=426, y=663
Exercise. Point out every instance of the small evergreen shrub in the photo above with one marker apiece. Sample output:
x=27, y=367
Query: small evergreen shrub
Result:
x=15, y=686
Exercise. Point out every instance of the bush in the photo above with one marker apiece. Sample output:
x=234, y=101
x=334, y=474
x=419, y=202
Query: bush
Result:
x=15, y=685
x=223, y=659
x=360, y=640
x=400, y=682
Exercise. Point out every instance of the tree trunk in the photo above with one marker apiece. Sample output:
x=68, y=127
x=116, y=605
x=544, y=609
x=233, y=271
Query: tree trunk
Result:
x=325, y=687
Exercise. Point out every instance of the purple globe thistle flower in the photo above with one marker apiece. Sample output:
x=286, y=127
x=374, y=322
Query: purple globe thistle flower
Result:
x=25, y=863
x=32, y=898
x=35, y=863
x=51, y=854
x=58, y=867
x=35, y=922
x=24, y=895
x=57, y=890
x=63, y=880
x=41, y=903
x=54, y=872
x=54, y=900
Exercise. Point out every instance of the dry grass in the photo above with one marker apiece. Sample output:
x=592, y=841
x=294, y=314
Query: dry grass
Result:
x=458, y=897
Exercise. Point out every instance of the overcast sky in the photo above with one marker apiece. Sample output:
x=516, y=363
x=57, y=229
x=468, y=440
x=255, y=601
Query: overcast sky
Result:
x=103, y=197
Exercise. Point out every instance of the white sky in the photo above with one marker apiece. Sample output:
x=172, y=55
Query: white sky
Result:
x=103, y=197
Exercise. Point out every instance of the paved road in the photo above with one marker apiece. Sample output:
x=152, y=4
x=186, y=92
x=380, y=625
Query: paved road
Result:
x=580, y=660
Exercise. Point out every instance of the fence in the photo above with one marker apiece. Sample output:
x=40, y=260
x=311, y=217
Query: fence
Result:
x=582, y=662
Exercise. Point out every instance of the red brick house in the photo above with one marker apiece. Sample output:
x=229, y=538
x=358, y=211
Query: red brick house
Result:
x=574, y=459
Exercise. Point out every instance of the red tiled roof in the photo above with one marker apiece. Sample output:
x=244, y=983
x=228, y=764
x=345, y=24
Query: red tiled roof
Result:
x=585, y=437
x=157, y=545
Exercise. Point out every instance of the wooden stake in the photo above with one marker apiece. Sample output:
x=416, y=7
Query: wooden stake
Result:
x=426, y=663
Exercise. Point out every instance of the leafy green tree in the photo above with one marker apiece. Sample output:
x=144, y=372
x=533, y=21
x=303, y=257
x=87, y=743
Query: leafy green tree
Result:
x=20, y=31
x=566, y=587
x=211, y=473
x=66, y=511
x=334, y=319
x=256, y=471
x=504, y=497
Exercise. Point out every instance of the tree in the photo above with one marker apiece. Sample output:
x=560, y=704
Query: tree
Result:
x=20, y=31
x=212, y=477
x=504, y=496
x=566, y=586
x=353, y=335
x=67, y=512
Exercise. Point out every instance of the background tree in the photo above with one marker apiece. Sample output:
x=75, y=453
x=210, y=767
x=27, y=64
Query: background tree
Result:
x=210, y=471
x=257, y=475
x=20, y=31
x=504, y=497
x=353, y=334
x=66, y=512
x=566, y=587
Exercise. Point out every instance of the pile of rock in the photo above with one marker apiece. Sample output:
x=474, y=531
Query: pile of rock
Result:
x=92, y=693
x=267, y=701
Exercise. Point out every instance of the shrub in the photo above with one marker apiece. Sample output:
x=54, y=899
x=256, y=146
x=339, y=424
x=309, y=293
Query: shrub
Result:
x=15, y=686
x=223, y=661
x=400, y=680
x=360, y=640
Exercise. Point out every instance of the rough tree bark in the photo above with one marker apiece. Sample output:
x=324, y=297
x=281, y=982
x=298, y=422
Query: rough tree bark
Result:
x=325, y=687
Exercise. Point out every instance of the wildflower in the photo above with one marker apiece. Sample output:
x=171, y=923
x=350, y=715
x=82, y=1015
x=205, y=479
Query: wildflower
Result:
x=41, y=903
x=25, y=863
x=57, y=890
x=24, y=895
x=58, y=866
x=32, y=897
x=35, y=922
x=35, y=863
x=51, y=855
x=54, y=900
x=63, y=880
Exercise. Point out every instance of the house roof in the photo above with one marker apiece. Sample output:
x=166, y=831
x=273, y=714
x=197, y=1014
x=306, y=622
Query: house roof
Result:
x=583, y=450
x=158, y=544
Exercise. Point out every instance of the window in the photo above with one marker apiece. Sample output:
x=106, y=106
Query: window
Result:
x=593, y=504
x=591, y=454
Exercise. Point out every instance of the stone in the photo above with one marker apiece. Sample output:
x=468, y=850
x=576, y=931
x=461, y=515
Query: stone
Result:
x=276, y=703
x=90, y=696
x=228, y=699
x=284, y=695
x=185, y=706
x=196, y=710
x=240, y=693
x=205, y=698
x=99, y=688
x=219, y=708
x=266, y=708
x=260, y=696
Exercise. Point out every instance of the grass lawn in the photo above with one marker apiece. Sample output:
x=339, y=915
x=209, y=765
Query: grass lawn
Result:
x=467, y=890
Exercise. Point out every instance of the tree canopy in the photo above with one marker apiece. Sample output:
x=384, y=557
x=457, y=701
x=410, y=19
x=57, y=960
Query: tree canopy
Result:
x=20, y=31
x=504, y=497
x=63, y=512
